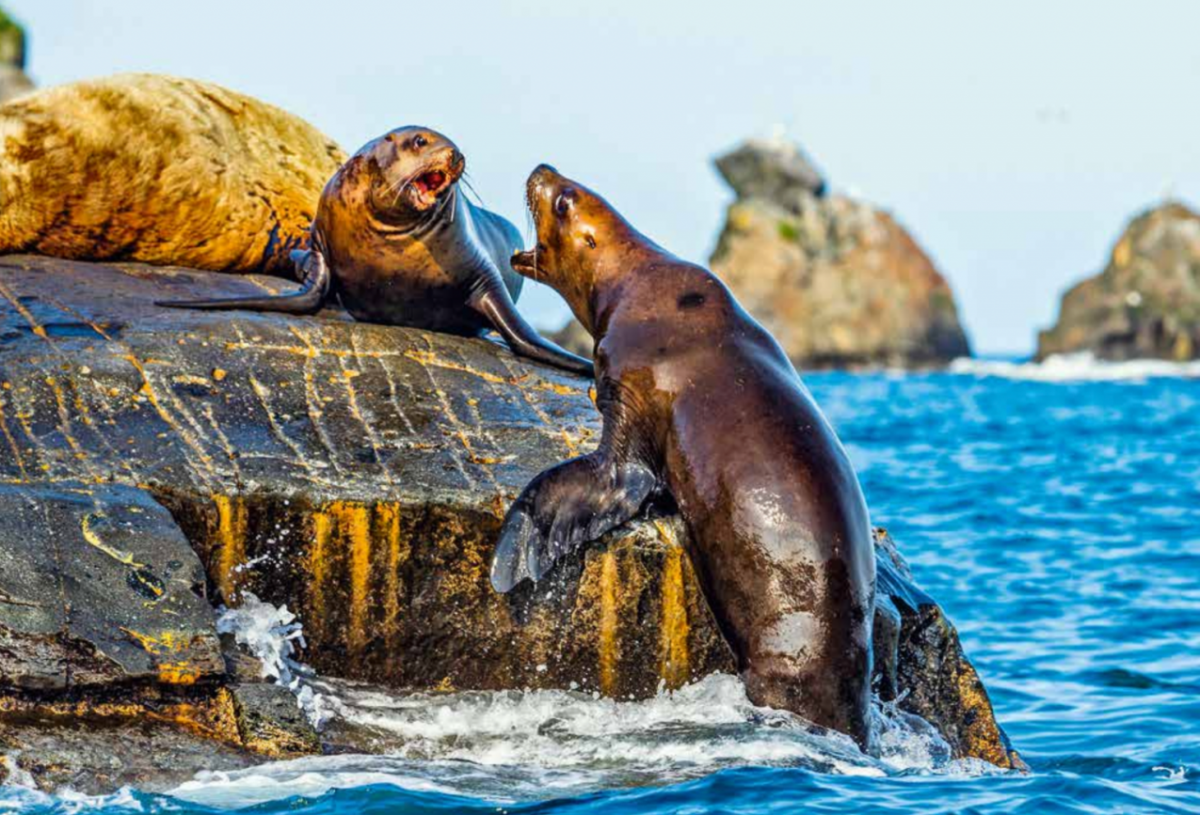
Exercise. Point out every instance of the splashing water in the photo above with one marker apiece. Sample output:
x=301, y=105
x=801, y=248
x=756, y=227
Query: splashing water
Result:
x=271, y=635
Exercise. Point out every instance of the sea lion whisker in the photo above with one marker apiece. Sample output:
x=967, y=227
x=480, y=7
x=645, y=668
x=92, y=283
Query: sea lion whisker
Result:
x=466, y=181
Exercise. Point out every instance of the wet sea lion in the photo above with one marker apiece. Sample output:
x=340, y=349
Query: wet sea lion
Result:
x=397, y=242
x=699, y=401
x=162, y=170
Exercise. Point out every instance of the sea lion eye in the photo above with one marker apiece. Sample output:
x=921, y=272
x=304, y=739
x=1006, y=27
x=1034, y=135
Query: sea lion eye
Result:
x=562, y=204
x=419, y=141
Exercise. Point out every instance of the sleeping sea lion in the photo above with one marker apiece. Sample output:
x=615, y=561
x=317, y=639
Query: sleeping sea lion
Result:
x=700, y=402
x=176, y=172
x=397, y=242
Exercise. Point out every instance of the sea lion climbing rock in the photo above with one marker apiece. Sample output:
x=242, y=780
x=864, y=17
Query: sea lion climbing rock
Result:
x=162, y=170
x=699, y=401
x=396, y=242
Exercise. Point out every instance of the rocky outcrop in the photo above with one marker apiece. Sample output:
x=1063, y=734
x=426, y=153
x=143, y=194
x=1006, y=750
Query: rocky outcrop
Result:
x=838, y=282
x=1145, y=304
x=357, y=473
x=13, y=81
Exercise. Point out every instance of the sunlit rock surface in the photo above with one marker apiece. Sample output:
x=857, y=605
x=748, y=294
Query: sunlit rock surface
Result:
x=357, y=473
x=1145, y=304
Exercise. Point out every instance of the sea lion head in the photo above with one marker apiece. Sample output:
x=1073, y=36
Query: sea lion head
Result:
x=412, y=171
x=582, y=241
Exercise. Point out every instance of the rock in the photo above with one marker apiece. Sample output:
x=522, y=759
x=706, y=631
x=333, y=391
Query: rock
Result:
x=12, y=41
x=98, y=586
x=13, y=81
x=920, y=662
x=358, y=474
x=775, y=170
x=838, y=282
x=98, y=755
x=271, y=723
x=1146, y=301
x=574, y=337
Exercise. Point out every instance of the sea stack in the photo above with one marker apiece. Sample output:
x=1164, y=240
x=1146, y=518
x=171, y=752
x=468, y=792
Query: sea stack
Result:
x=838, y=281
x=1145, y=304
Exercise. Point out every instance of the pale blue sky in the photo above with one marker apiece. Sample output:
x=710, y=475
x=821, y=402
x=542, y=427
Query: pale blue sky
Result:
x=1013, y=139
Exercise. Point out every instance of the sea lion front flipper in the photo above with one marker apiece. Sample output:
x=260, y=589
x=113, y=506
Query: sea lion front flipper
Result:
x=497, y=307
x=564, y=508
x=315, y=280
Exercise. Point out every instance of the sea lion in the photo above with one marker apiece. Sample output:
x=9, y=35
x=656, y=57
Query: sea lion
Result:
x=162, y=170
x=699, y=401
x=397, y=242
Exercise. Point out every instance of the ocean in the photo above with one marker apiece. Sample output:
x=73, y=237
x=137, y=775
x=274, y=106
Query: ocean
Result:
x=1053, y=510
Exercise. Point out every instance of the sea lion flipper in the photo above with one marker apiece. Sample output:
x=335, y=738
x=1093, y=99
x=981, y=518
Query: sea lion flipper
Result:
x=495, y=305
x=315, y=279
x=563, y=509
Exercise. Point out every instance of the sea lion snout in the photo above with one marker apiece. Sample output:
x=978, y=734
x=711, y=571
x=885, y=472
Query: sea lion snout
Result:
x=541, y=181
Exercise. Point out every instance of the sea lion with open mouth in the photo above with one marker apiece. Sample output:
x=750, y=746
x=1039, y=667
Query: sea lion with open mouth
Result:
x=698, y=400
x=396, y=242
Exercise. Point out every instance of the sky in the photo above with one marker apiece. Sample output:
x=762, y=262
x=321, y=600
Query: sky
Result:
x=1014, y=140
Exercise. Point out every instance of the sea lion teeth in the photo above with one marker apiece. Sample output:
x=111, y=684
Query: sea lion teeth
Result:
x=700, y=402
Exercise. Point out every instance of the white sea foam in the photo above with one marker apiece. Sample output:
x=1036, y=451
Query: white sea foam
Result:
x=505, y=746
x=66, y=801
x=1081, y=367
x=300, y=777
x=271, y=634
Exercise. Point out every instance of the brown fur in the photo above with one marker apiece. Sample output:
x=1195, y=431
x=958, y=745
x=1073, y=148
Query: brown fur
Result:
x=161, y=170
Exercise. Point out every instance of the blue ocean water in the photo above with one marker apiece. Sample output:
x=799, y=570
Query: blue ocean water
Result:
x=1058, y=522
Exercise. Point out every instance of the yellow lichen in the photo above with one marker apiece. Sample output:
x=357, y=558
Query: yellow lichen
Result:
x=608, y=655
x=354, y=531
x=231, y=545
x=673, y=627
x=318, y=569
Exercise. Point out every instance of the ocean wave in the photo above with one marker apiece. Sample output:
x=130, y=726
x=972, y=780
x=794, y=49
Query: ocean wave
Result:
x=506, y=747
x=1081, y=367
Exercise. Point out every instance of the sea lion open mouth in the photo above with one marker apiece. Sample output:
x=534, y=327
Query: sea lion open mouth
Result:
x=524, y=262
x=430, y=183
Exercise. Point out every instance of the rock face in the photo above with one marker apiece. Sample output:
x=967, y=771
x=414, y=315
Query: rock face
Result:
x=98, y=586
x=838, y=282
x=357, y=473
x=1146, y=302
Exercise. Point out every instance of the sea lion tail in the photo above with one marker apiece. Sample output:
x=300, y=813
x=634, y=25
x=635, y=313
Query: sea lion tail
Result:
x=563, y=509
x=315, y=277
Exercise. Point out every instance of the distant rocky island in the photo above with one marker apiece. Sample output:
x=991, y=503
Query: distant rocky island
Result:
x=13, y=80
x=1145, y=304
x=837, y=281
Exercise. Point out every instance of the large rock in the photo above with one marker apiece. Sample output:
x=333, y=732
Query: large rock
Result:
x=837, y=281
x=1146, y=301
x=359, y=474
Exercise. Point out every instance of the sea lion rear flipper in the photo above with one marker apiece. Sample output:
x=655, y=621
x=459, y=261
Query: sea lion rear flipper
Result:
x=494, y=304
x=564, y=508
x=315, y=279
